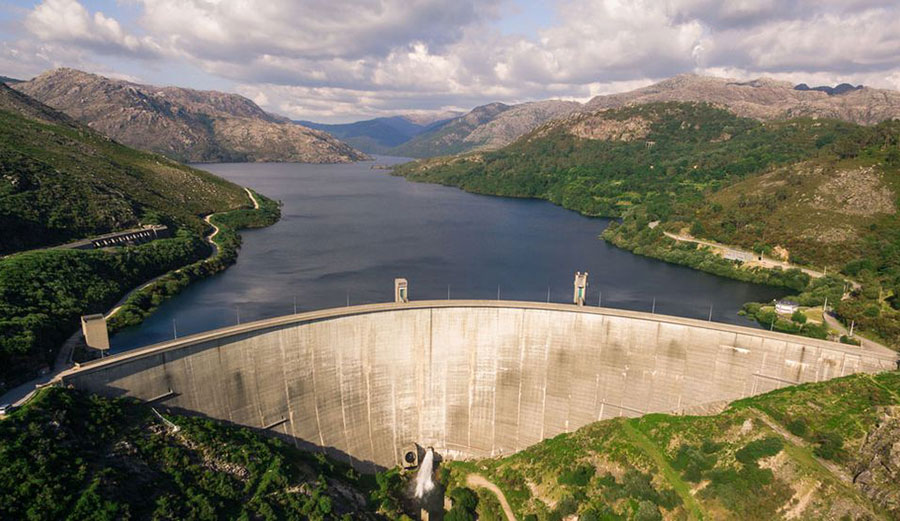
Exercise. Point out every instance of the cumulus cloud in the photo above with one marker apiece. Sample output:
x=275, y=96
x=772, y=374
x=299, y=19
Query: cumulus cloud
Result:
x=67, y=21
x=342, y=59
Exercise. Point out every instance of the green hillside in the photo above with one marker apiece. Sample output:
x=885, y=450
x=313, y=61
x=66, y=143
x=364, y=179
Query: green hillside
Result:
x=70, y=455
x=61, y=181
x=825, y=191
x=816, y=451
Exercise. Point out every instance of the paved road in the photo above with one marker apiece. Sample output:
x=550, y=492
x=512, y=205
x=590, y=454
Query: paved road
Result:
x=475, y=480
x=22, y=393
x=865, y=343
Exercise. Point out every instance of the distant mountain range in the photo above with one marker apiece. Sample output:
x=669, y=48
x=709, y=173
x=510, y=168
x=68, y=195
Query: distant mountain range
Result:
x=380, y=135
x=495, y=125
x=8, y=80
x=184, y=124
x=487, y=127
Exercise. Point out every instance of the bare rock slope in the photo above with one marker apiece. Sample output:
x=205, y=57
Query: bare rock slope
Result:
x=487, y=127
x=763, y=99
x=184, y=124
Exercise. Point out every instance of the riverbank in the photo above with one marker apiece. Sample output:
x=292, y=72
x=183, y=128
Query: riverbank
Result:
x=115, y=270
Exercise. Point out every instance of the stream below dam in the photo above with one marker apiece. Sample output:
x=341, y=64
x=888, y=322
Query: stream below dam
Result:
x=347, y=230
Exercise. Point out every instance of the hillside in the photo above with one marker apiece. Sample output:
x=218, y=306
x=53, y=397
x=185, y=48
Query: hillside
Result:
x=764, y=99
x=62, y=181
x=379, y=135
x=70, y=455
x=822, y=451
x=827, y=195
x=183, y=124
x=484, y=128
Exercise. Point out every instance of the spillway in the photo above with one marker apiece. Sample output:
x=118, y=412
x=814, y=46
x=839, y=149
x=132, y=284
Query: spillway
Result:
x=469, y=378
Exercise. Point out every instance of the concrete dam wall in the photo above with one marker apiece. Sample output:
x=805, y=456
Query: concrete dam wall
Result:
x=470, y=378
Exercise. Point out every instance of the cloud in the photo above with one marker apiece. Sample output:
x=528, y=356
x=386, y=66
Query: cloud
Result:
x=67, y=21
x=342, y=59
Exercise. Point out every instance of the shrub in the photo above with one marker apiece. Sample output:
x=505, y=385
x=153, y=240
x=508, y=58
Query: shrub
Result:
x=579, y=476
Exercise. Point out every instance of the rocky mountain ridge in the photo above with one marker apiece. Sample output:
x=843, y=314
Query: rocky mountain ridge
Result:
x=764, y=99
x=184, y=124
x=487, y=127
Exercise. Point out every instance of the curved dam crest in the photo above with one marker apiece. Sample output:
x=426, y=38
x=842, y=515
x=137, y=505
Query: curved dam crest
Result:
x=470, y=378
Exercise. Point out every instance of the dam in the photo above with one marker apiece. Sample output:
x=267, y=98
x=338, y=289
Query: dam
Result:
x=469, y=378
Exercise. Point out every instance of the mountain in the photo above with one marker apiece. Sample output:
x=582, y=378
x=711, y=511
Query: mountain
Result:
x=8, y=80
x=183, y=124
x=379, y=135
x=61, y=181
x=487, y=127
x=823, y=192
x=765, y=99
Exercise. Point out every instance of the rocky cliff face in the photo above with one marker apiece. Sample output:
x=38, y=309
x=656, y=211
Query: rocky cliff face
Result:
x=764, y=99
x=487, y=127
x=877, y=468
x=184, y=124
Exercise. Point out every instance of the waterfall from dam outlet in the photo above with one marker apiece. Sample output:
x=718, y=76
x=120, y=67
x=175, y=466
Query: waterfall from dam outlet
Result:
x=424, y=484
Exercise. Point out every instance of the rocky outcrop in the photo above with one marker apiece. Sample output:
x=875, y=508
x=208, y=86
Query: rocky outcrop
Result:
x=764, y=99
x=877, y=467
x=184, y=124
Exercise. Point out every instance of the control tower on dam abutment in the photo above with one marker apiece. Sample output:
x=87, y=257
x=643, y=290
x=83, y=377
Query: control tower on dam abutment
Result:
x=469, y=378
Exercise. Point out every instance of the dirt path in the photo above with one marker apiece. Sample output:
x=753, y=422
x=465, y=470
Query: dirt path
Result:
x=753, y=259
x=694, y=510
x=475, y=480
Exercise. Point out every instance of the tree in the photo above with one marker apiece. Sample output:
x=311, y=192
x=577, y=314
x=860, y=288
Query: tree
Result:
x=799, y=317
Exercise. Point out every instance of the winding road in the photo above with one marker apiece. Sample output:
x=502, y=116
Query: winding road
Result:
x=20, y=394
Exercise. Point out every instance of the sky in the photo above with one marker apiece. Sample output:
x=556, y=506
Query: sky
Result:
x=346, y=60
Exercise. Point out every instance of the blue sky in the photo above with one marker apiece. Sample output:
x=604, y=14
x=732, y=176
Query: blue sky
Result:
x=343, y=60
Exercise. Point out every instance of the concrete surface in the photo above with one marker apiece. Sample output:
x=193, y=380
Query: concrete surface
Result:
x=470, y=378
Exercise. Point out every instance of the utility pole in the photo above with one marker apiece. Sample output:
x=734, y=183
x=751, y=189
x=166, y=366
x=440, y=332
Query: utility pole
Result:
x=710, y=313
x=448, y=291
x=825, y=305
x=498, y=291
x=852, y=324
x=600, y=299
x=174, y=329
x=653, y=309
x=548, y=293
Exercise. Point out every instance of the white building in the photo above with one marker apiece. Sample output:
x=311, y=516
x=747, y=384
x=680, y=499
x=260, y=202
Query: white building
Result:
x=786, y=307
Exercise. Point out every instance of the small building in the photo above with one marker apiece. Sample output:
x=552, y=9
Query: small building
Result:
x=786, y=307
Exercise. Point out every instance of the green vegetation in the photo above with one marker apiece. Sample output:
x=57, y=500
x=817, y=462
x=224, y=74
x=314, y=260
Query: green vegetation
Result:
x=823, y=193
x=71, y=455
x=744, y=463
x=144, y=302
x=61, y=181
x=43, y=293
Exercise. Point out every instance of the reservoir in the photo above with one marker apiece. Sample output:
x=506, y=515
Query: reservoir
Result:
x=348, y=230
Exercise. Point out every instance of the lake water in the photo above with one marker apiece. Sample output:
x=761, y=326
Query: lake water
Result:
x=348, y=230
